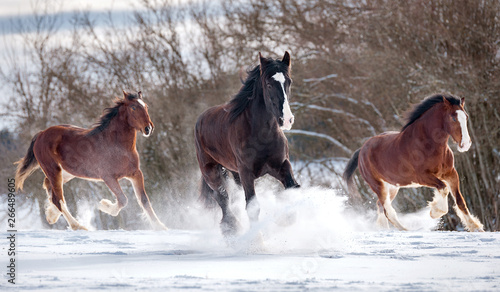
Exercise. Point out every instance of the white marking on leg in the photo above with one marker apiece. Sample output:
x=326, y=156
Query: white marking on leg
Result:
x=288, y=117
x=389, y=210
x=149, y=212
x=466, y=142
x=52, y=214
x=69, y=218
x=439, y=205
x=470, y=222
x=109, y=207
x=381, y=218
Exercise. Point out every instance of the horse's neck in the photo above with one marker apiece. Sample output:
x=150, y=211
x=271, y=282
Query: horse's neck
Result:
x=260, y=117
x=121, y=132
x=430, y=128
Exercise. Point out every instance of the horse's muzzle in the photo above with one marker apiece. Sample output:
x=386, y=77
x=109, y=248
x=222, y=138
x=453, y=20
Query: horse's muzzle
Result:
x=286, y=124
x=148, y=130
x=464, y=146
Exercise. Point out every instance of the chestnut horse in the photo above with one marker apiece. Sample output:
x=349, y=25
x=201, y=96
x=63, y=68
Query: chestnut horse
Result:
x=107, y=152
x=245, y=136
x=418, y=156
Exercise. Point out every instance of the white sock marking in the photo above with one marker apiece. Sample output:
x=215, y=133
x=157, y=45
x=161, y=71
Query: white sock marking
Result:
x=465, y=144
x=287, y=112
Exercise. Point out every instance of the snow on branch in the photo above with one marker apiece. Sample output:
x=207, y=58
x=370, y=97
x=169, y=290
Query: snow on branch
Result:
x=318, y=80
x=335, y=111
x=319, y=135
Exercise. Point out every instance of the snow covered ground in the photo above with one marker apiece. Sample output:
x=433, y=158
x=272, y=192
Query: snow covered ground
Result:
x=200, y=260
x=305, y=242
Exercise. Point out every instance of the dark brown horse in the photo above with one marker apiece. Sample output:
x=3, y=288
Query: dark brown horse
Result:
x=106, y=153
x=245, y=136
x=418, y=156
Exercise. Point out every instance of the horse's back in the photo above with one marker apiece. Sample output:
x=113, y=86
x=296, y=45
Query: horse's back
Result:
x=381, y=142
x=52, y=136
x=70, y=148
x=380, y=158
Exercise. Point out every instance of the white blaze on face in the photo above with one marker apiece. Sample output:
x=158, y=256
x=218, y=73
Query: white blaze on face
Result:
x=141, y=102
x=465, y=144
x=150, y=127
x=287, y=112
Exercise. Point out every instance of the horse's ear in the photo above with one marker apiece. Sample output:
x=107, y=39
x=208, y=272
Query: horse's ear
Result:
x=263, y=63
x=125, y=94
x=286, y=59
x=462, y=101
x=139, y=94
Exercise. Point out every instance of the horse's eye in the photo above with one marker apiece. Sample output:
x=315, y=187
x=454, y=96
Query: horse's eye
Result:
x=454, y=118
x=132, y=107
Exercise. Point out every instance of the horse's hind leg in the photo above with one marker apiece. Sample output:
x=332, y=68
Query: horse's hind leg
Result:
x=381, y=218
x=236, y=177
x=107, y=206
x=137, y=180
x=55, y=178
x=52, y=213
x=386, y=193
x=213, y=176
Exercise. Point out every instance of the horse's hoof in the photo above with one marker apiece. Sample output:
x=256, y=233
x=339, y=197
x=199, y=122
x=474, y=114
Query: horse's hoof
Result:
x=228, y=229
x=230, y=226
x=79, y=227
x=160, y=227
x=477, y=229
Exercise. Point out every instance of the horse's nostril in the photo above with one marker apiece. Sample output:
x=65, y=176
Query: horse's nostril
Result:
x=146, y=130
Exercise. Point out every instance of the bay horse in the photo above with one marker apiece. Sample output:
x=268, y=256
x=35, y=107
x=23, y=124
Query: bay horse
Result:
x=107, y=152
x=245, y=137
x=418, y=156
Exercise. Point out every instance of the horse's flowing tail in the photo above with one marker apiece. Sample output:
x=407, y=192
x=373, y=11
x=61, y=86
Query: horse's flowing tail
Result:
x=207, y=195
x=26, y=165
x=350, y=168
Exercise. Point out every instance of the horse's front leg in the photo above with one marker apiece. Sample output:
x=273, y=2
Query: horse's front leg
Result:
x=284, y=174
x=137, y=180
x=109, y=207
x=470, y=221
x=252, y=205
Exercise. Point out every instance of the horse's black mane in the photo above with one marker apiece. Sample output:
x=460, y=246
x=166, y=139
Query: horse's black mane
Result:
x=419, y=109
x=252, y=86
x=108, y=114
